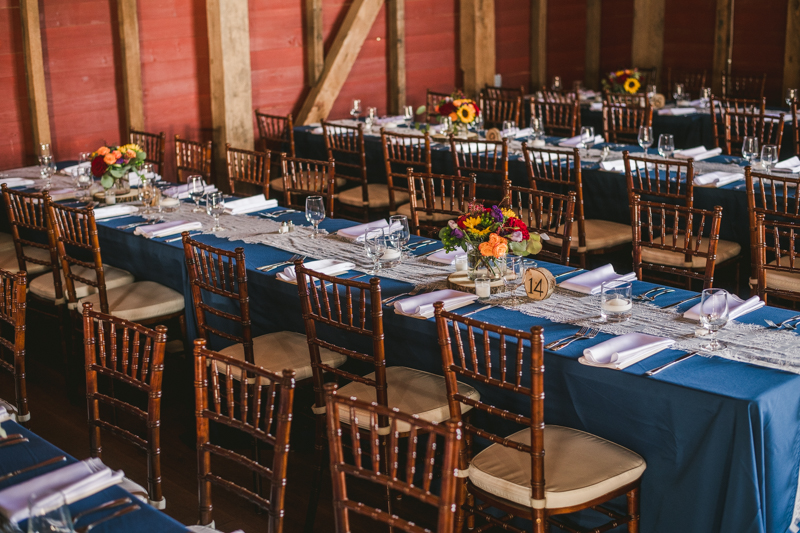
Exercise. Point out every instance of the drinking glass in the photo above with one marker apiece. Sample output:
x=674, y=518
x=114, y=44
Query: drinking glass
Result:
x=750, y=148
x=791, y=94
x=85, y=157
x=153, y=200
x=83, y=182
x=355, y=111
x=44, y=149
x=483, y=289
x=515, y=271
x=556, y=83
x=705, y=97
x=49, y=513
x=447, y=124
x=769, y=156
x=47, y=167
x=616, y=301
x=537, y=128
x=651, y=92
x=215, y=206
x=587, y=138
x=375, y=246
x=713, y=315
x=666, y=145
x=372, y=116
x=145, y=190
x=408, y=115
x=196, y=187
x=398, y=224
x=645, y=137
x=315, y=212
x=679, y=93
x=509, y=129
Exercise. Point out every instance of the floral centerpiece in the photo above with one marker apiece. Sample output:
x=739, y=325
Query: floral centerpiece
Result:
x=113, y=163
x=623, y=81
x=488, y=235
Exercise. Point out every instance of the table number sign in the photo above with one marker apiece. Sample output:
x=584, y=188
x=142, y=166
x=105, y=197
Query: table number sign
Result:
x=539, y=283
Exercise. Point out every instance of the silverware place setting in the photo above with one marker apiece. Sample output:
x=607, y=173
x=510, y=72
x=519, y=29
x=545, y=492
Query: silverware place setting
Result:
x=484, y=308
x=102, y=507
x=582, y=334
x=658, y=369
x=785, y=324
x=652, y=294
x=277, y=214
x=412, y=292
x=192, y=233
x=134, y=225
x=421, y=244
x=48, y=462
x=695, y=297
x=124, y=511
x=10, y=440
x=267, y=268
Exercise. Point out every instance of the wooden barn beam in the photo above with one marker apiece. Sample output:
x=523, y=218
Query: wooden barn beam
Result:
x=538, y=44
x=723, y=44
x=315, y=50
x=477, y=36
x=791, y=56
x=648, y=35
x=340, y=59
x=591, y=78
x=133, y=94
x=396, y=22
x=34, y=71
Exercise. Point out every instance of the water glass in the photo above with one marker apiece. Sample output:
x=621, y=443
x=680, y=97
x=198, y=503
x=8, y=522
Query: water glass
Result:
x=145, y=190
x=215, y=206
x=537, y=128
x=666, y=145
x=372, y=116
x=355, y=111
x=83, y=182
x=509, y=129
x=44, y=150
x=679, y=93
x=315, y=212
x=398, y=224
x=375, y=247
x=196, y=187
x=153, y=200
x=483, y=289
x=750, y=148
x=713, y=315
x=447, y=124
x=47, y=167
x=769, y=156
x=791, y=94
x=705, y=96
x=408, y=115
x=515, y=271
x=645, y=137
x=651, y=92
x=85, y=157
x=616, y=301
x=556, y=83
x=49, y=513
x=587, y=137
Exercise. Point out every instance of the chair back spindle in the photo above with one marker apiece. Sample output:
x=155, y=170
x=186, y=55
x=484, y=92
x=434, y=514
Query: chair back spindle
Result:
x=248, y=167
x=306, y=177
x=154, y=146
x=434, y=195
x=192, y=158
x=13, y=291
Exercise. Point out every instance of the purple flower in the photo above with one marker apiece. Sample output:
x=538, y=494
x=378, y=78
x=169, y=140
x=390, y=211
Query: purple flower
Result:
x=497, y=214
x=516, y=236
x=455, y=231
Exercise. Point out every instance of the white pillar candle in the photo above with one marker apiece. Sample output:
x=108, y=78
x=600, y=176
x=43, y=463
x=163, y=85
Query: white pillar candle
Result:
x=461, y=263
x=617, y=305
x=390, y=254
x=538, y=143
x=482, y=288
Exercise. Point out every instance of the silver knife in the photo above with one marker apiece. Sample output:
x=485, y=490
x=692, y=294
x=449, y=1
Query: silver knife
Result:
x=567, y=272
x=484, y=308
x=51, y=461
x=676, y=361
x=682, y=301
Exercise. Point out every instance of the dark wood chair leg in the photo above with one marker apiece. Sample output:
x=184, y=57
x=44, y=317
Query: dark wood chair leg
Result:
x=316, y=483
x=633, y=510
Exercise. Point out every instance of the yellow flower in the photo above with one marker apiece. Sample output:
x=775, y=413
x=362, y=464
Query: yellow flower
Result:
x=619, y=72
x=479, y=232
x=632, y=85
x=466, y=113
x=472, y=222
x=508, y=213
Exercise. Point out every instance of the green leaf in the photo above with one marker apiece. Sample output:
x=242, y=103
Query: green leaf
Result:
x=116, y=172
x=534, y=245
x=421, y=110
x=107, y=181
x=518, y=248
x=141, y=156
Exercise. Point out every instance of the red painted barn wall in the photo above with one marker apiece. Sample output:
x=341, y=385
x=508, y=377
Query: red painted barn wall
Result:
x=566, y=41
x=16, y=144
x=431, y=48
x=759, y=38
x=616, y=38
x=689, y=37
x=513, y=41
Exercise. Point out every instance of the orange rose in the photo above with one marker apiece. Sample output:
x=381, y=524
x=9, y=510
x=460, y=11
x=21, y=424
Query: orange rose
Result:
x=500, y=249
x=496, y=246
x=103, y=150
x=117, y=154
x=453, y=117
x=109, y=159
x=130, y=154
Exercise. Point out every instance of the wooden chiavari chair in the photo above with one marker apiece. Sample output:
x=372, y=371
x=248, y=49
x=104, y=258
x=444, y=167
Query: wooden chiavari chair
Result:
x=435, y=199
x=154, y=146
x=545, y=213
x=508, y=93
x=561, y=170
x=31, y=235
x=777, y=267
x=560, y=118
x=276, y=135
x=671, y=239
x=724, y=105
x=13, y=289
x=438, y=444
x=540, y=471
x=624, y=99
x=223, y=274
x=248, y=167
x=736, y=126
x=126, y=353
x=495, y=111
x=558, y=96
x=401, y=152
x=354, y=309
x=796, y=128
x=306, y=177
x=743, y=86
x=192, y=158
x=345, y=145
x=648, y=76
x=432, y=101
x=263, y=413
x=692, y=80
x=487, y=160
x=621, y=122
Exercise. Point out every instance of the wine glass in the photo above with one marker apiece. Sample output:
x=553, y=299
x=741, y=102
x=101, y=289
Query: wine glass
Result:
x=47, y=167
x=652, y=90
x=791, y=94
x=769, y=156
x=144, y=191
x=315, y=212
x=215, y=206
x=375, y=246
x=83, y=182
x=153, y=200
x=750, y=148
x=556, y=83
x=705, y=97
x=447, y=124
x=645, y=137
x=48, y=512
x=372, y=117
x=509, y=129
x=408, y=115
x=587, y=138
x=355, y=111
x=196, y=187
x=515, y=271
x=537, y=128
x=398, y=225
x=713, y=315
x=666, y=145
x=44, y=149
x=679, y=93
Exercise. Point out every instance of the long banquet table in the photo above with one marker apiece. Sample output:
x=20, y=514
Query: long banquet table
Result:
x=721, y=438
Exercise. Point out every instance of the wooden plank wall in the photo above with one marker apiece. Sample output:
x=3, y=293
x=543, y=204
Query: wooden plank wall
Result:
x=513, y=37
x=15, y=116
x=566, y=40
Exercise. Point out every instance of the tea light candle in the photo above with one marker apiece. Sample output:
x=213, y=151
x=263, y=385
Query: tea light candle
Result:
x=461, y=263
x=391, y=254
x=617, y=305
x=483, y=288
x=538, y=143
x=169, y=204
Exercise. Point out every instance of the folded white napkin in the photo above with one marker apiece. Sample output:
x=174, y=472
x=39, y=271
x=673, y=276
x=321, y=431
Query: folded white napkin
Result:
x=596, y=106
x=421, y=306
x=523, y=133
x=447, y=258
x=356, y=233
x=676, y=111
x=329, y=267
x=164, y=229
x=471, y=147
x=618, y=165
x=114, y=211
x=793, y=164
x=625, y=350
x=574, y=142
x=589, y=282
x=16, y=182
x=398, y=119
x=75, y=482
x=698, y=153
x=736, y=307
x=249, y=205
x=717, y=179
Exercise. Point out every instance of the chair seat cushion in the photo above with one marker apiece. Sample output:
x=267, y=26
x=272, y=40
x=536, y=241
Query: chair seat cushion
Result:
x=6, y=242
x=8, y=261
x=115, y=277
x=405, y=209
x=725, y=250
x=578, y=468
x=411, y=391
x=277, y=184
x=378, y=196
x=783, y=281
x=600, y=234
x=139, y=301
x=282, y=349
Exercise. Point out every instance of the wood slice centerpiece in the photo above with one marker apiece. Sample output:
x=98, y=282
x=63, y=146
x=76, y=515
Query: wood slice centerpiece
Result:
x=539, y=283
x=130, y=196
x=460, y=281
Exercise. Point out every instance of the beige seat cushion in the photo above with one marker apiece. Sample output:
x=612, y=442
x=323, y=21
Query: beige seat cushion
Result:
x=578, y=467
x=139, y=301
x=115, y=277
x=600, y=234
x=277, y=184
x=412, y=392
x=8, y=260
x=725, y=250
x=405, y=209
x=6, y=242
x=782, y=281
x=378, y=196
x=282, y=349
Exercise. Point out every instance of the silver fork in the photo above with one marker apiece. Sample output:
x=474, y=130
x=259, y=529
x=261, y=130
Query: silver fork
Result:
x=660, y=292
x=784, y=324
x=582, y=331
x=267, y=268
x=119, y=513
x=108, y=505
x=646, y=295
x=592, y=333
x=412, y=292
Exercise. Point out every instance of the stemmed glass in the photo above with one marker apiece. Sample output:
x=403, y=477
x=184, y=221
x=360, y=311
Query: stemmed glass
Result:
x=408, y=115
x=145, y=173
x=355, y=111
x=750, y=148
x=447, y=125
x=196, y=187
x=215, y=206
x=645, y=137
x=587, y=138
x=48, y=512
x=713, y=315
x=372, y=117
x=83, y=182
x=398, y=225
x=769, y=156
x=375, y=246
x=515, y=271
x=652, y=90
x=537, y=128
x=705, y=97
x=556, y=83
x=315, y=212
x=791, y=94
x=679, y=93
x=47, y=166
x=666, y=145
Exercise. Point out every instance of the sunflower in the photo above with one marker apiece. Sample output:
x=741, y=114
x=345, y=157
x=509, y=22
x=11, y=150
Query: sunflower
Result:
x=508, y=213
x=466, y=113
x=632, y=85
